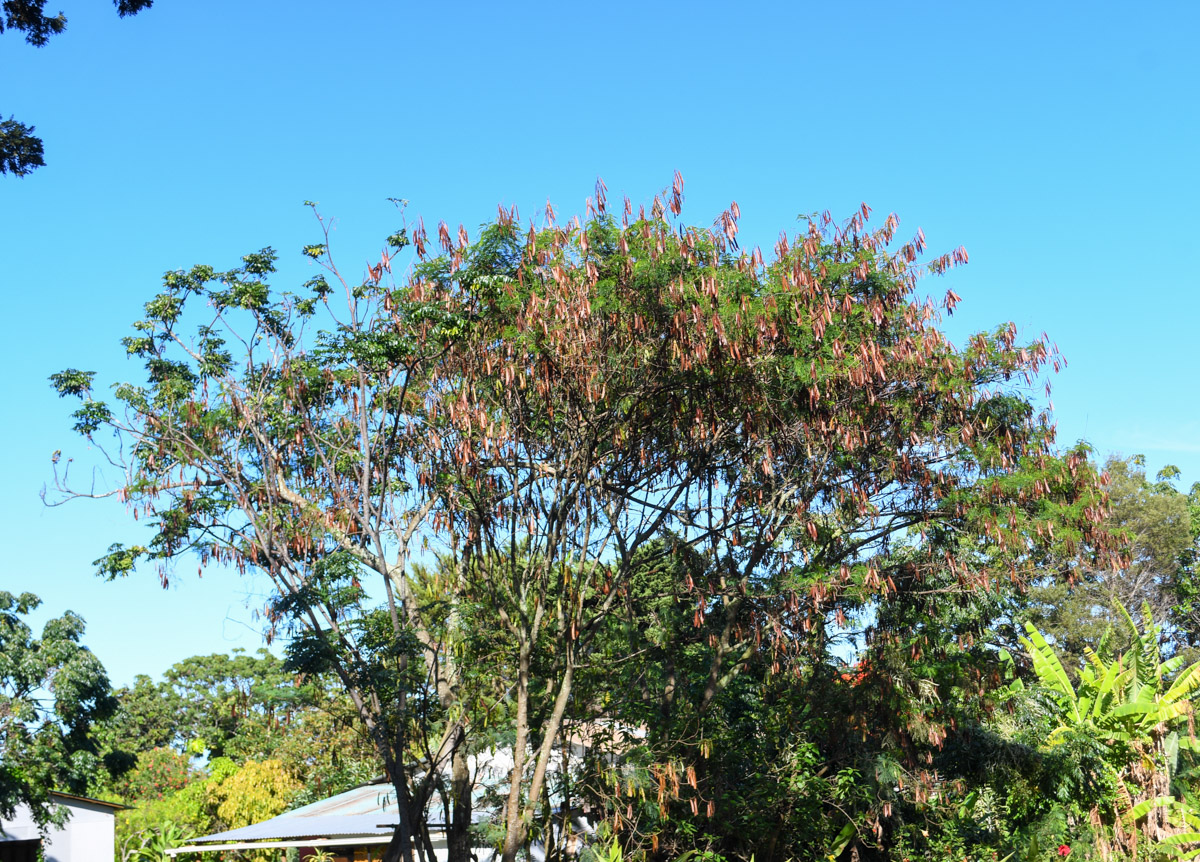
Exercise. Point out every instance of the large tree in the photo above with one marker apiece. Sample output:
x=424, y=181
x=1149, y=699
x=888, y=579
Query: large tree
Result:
x=553, y=410
x=803, y=428
x=52, y=690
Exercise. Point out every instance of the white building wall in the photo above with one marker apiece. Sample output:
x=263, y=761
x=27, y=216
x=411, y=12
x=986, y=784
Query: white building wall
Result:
x=88, y=836
x=20, y=828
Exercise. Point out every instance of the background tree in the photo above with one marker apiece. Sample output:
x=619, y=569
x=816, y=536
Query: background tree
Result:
x=278, y=741
x=147, y=717
x=1157, y=524
x=237, y=705
x=21, y=151
x=244, y=707
x=1183, y=618
x=52, y=690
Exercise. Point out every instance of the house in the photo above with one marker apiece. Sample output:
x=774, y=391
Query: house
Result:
x=87, y=836
x=354, y=825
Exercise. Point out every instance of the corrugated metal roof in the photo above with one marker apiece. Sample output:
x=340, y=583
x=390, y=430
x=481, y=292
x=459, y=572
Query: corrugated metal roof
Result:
x=320, y=826
x=366, y=810
x=369, y=799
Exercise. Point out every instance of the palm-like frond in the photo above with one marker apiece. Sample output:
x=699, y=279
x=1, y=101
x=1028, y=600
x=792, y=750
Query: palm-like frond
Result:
x=1185, y=685
x=1137, y=812
x=1049, y=669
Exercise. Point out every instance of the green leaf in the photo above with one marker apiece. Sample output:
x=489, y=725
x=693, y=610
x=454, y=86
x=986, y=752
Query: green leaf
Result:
x=72, y=382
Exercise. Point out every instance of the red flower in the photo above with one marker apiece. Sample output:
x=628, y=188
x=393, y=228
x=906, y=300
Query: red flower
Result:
x=1064, y=850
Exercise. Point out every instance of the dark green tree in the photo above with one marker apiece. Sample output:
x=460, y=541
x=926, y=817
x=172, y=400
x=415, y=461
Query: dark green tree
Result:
x=52, y=691
x=146, y=718
x=21, y=151
x=235, y=705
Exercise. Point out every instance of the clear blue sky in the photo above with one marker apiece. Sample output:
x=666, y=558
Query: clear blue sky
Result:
x=1056, y=141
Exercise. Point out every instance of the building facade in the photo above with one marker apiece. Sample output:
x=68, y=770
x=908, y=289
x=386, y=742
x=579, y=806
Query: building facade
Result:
x=89, y=835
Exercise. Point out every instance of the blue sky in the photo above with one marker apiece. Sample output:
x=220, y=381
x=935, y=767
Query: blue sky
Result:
x=1057, y=142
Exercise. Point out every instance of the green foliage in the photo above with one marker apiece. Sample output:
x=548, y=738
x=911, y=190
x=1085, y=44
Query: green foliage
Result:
x=149, y=823
x=52, y=691
x=167, y=810
x=1160, y=539
x=72, y=382
x=143, y=721
x=159, y=773
x=151, y=844
x=237, y=704
x=273, y=741
x=21, y=151
x=764, y=514
x=1132, y=710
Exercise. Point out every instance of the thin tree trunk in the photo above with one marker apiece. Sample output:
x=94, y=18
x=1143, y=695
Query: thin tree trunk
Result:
x=513, y=826
x=549, y=734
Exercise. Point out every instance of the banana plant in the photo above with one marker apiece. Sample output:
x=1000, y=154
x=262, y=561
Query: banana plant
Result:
x=1137, y=703
x=1130, y=698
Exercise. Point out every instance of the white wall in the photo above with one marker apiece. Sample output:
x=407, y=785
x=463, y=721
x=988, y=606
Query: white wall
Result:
x=89, y=836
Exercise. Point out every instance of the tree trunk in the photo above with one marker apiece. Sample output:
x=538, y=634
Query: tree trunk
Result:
x=550, y=730
x=513, y=824
x=458, y=837
x=400, y=848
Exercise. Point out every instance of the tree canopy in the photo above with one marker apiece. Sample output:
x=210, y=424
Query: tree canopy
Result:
x=52, y=691
x=618, y=479
x=1161, y=530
